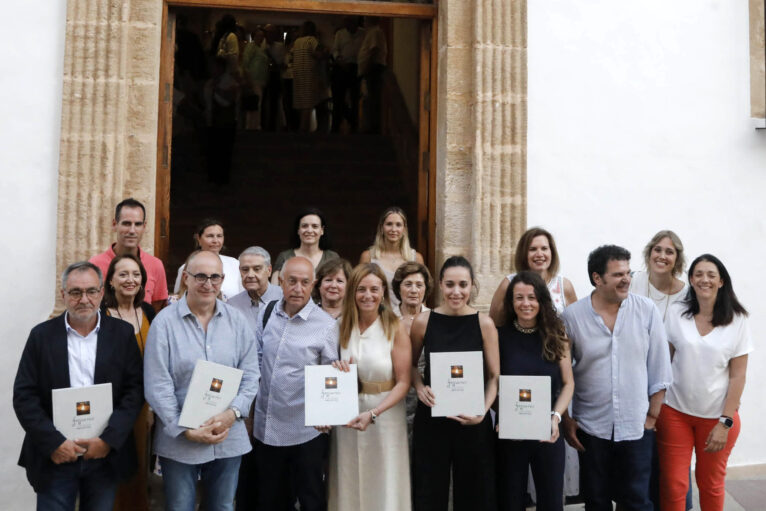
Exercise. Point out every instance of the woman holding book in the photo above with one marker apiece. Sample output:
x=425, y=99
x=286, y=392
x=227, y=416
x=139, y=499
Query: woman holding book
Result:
x=462, y=445
x=533, y=343
x=369, y=457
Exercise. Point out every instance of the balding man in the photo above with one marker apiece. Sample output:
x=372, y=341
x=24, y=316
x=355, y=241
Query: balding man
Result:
x=291, y=334
x=199, y=326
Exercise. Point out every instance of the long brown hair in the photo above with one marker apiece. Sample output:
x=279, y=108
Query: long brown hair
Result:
x=110, y=295
x=551, y=328
x=350, y=315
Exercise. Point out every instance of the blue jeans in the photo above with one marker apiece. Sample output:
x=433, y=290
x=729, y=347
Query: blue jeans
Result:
x=219, y=484
x=618, y=471
x=94, y=480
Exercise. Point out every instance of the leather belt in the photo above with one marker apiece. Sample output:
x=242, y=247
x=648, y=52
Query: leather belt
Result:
x=375, y=387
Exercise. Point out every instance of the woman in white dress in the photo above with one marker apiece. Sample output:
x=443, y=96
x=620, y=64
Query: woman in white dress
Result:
x=369, y=458
x=664, y=260
x=391, y=247
x=209, y=236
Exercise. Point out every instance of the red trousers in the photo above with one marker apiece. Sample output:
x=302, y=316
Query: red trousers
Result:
x=677, y=435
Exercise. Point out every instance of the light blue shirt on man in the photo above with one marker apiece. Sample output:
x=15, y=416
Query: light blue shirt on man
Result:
x=616, y=372
x=285, y=347
x=249, y=307
x=175, y=342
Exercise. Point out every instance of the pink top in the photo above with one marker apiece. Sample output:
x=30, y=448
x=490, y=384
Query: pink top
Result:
x=156, y=283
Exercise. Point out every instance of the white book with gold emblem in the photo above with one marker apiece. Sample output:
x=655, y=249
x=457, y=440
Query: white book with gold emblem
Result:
x=211, y=390
x=332, y=396
x=457, y=381
x=82, y=412
x=525, y=407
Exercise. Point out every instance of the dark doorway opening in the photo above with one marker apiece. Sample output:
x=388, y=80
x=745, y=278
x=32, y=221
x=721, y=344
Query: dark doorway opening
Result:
x=275, y=172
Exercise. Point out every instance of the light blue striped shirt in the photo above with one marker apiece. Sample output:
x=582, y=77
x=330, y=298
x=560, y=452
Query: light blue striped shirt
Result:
x=175, y=342
x=249, y=307
x=616, y=372
x=285, y=347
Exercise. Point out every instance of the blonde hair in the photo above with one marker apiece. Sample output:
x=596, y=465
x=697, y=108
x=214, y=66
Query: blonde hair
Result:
x=350, y=315
x=378, y=247
x=678, y=267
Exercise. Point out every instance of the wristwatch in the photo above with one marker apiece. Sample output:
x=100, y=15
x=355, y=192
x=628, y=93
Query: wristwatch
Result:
x=237, y=413
x=556, y=414
x=726, y=421
x=373, y=416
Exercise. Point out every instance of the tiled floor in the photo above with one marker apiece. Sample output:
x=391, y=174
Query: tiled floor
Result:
x=746, y=490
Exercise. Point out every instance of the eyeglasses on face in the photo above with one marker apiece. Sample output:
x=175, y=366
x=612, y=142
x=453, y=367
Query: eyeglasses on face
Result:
x=201, y=278
x=76, y=293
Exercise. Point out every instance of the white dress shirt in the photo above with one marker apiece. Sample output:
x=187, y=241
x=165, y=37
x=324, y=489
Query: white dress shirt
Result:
x=81, y=354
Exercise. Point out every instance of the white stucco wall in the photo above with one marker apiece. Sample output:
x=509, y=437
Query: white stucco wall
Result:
x=32, y=43
x=639, y=121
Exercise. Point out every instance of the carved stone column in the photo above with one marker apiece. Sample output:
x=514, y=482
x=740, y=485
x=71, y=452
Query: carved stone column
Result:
x=109, y=116
x=481, y=183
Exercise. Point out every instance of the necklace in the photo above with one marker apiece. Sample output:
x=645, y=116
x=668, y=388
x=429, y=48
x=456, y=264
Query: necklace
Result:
x=522, y=329
x=138, y=323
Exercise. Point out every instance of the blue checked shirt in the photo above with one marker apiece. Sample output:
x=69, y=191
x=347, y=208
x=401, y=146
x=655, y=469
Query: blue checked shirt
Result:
x=285, y=347
x=616, y=372
x=174, y=344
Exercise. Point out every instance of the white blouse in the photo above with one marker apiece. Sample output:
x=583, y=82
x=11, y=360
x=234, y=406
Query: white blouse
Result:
x=701, y=363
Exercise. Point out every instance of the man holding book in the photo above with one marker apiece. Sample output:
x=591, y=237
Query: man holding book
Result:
x=78, y=349
x=199, y=327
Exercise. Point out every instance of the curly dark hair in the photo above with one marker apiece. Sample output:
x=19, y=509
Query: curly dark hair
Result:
x=551, y=328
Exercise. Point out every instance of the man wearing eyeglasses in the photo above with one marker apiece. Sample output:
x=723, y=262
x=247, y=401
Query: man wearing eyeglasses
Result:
x=77, y=349
x=129, y=224
x=199, y=326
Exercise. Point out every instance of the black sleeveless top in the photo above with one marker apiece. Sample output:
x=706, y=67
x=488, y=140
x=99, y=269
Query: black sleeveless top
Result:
x=450, y=333
x=522, y=355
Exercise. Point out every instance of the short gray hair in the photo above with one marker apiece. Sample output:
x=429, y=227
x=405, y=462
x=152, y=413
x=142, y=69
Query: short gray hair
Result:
x=81, y=266
x=257, y=251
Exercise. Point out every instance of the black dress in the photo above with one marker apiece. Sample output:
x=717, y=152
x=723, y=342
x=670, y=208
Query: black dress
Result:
x=441, y=443
x=521, y=354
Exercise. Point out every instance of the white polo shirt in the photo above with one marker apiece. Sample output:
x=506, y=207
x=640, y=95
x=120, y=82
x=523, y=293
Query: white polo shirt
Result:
x=701, y=363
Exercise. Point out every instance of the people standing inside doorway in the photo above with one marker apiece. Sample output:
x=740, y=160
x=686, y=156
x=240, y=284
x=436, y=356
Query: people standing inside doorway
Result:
x=227, y=44
x=221, y=97
x=129, y=224
x=255, y=71
x=710, y=341
x=311, y=239
x=369, y=458
x=124, y=299
x=463, y=446
x=209, y=236
x=614, y=412
x=308, y=85
x=292, y=118
x=330, y=289
x=345, y=81
x=276, y=52
x=533, y=343
x=391, y=247
x=372, y=58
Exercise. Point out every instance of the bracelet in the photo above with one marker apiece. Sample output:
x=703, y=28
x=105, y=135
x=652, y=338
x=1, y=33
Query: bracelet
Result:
x=373, y=415
x=556, y=414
